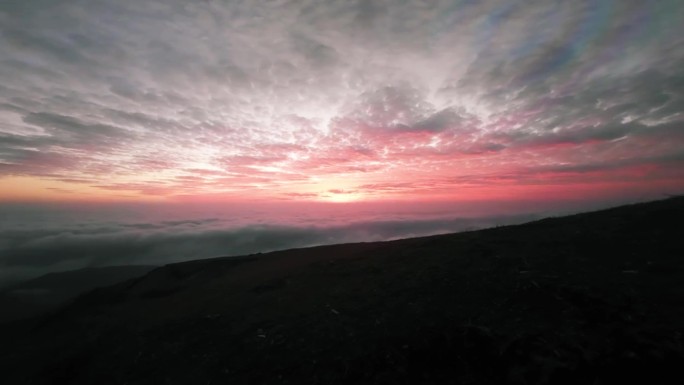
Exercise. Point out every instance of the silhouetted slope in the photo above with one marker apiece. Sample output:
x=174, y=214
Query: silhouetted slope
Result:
x=42, y=294
x=594, y=298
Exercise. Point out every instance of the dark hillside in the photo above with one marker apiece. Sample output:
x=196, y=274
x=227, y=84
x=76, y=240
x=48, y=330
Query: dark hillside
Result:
x=594, y=298
x=42, y=294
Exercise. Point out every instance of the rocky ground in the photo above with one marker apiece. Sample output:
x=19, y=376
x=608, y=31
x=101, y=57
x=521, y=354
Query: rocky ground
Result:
x=595, y=298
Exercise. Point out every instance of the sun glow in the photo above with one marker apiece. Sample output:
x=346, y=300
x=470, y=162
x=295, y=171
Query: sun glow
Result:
x=342, y=197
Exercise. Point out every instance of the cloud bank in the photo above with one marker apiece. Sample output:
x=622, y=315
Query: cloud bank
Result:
x=29, y=251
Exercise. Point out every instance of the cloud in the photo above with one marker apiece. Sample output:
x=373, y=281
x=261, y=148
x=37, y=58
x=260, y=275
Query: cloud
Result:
x=275, y=96
x=73, y=129
x=33, y=251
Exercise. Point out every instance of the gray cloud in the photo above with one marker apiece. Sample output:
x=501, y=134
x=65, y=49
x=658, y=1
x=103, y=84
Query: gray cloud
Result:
x=33, y=251
x=75, y=130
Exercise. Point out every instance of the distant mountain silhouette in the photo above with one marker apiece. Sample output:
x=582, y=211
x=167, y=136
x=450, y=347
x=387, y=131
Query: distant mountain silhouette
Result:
x=45, y=293
x=595, y=298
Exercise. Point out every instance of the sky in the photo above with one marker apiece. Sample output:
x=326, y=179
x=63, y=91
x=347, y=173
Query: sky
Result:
x=338, y=101
x=148, y=127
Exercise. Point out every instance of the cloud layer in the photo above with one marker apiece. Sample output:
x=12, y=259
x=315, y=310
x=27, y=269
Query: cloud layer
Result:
x=31, y=250
x=341, y=100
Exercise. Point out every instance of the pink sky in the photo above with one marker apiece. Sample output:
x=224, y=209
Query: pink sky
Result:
x=250, y=102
